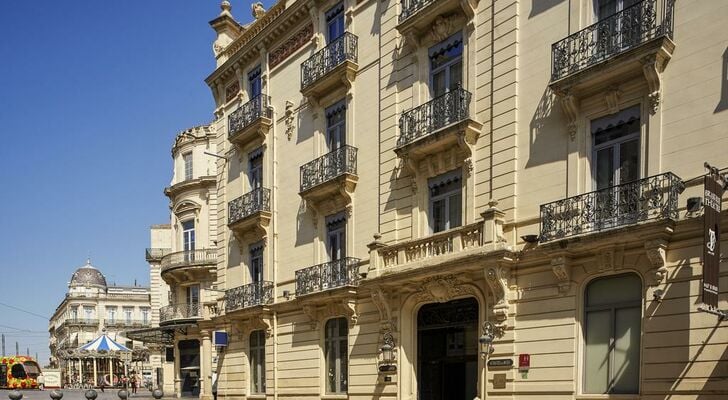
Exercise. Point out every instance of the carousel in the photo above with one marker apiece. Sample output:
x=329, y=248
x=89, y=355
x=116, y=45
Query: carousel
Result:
x=102, y=361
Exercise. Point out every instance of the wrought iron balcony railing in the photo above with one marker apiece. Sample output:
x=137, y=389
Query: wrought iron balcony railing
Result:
x=444, y=110
x=257, y=107
x=124, y=322
x=82, y=321
x=611, y=36
x=256, y=200
x=410, y=8
x=330, y=275
x=155, y=254
x=180, y=311
x=652, y=198
x=323, y=61
x=250, y=295
x=329, y=166
x=188, y=257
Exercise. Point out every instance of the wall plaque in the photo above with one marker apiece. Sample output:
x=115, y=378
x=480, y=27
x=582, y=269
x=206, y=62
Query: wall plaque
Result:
x=500, y=362
x=499, y=381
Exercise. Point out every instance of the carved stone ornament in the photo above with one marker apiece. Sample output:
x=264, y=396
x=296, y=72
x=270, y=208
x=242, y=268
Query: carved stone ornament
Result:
x=261, y=322
x=442, y=289
x=381, y=301
x=257, y=10
x=295, y=42
x=656, y=254
x=312, y=314
x=497, y=279
x=610, y=259
x=562, y=271
x=290, y=120
x=444, y=26
x=570, y=107
x=611, y=97
x=652, y=67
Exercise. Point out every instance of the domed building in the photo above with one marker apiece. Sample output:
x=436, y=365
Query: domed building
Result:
x=90, y=308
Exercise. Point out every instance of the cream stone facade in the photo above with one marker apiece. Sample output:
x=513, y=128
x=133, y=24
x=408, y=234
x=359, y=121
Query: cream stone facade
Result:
x=460, y=199
x=91, y=308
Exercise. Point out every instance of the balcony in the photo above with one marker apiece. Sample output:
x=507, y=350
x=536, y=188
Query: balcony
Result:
x=188, y=265
x=326, y=276
x=632, y=42
x=82, y=322
x=330, y=68
x=250, y=295
x=418, y=17
x=650, y=199
x=249, y=215
x=251, y=121
x=125, y=323
x=155, y=254
x=330, y=180
x=180, y=312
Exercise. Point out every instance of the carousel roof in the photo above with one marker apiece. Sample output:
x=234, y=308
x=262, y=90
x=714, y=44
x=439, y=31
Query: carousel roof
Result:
x=104, y=343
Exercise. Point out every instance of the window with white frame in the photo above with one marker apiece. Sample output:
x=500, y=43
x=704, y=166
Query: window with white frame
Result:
x=145, y=315
x=111, y=314
x=446, y=65
x=74, y=313
x=255, y=168
x=257, y=362
x=335, y=22
x=336, y=236
x=193, y=300
x=128, y=315
x=188, y=235
x=256, y=262
x=187, y=158
x=445, y=201
x=336, y=125
x=88, y=313
x=612, y=321
x=337, y=355
x=616, y=148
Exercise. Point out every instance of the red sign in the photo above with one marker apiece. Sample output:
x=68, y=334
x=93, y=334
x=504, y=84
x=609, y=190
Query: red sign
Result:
x=524, y=362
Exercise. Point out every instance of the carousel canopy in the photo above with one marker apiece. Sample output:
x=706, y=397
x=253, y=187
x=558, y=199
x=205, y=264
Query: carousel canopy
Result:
x=104, y=343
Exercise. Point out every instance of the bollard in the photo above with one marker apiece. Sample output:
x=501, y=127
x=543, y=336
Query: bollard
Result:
x=56, y=394
x=91, y=394
x=15, y=395
x=123, y=394
x=157, y=394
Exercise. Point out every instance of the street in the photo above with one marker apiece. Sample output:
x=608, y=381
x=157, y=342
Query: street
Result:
x=75, y=394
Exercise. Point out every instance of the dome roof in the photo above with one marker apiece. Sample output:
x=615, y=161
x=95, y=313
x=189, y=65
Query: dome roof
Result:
x=88, y=275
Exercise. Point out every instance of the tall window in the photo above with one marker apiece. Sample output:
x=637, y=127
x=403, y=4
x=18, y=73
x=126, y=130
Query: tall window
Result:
x=612, y=335
x=336, y=125
x=446, y=65
x=193, y=300
x=187, y=158
x=616, y=33
x=256, y=262
x=89, y=313
x=335, y=22
x=188, y=235
x=337, y=355
x=111, y=314
x=616, y=153
x=257, y=362
x=336, y=236
x=74, y=313
x=145, y=316
x=128, y=314
x=254, y=82
x=445, y=201
x=255, y=166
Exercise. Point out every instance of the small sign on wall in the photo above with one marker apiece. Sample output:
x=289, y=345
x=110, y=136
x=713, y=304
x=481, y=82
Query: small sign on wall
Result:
x=524, y=362
x=499, y=381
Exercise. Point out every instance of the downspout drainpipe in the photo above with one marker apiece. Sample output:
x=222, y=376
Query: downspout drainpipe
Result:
x=274, y=240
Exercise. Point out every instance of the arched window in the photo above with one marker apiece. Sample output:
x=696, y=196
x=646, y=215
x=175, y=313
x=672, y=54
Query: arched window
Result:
x=257, y=362
x=612, y=316
x=337, y=355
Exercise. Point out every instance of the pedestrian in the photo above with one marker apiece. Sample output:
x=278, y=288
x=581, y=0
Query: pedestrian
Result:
x=102, y=383
x=41, y=381
x=133, y=383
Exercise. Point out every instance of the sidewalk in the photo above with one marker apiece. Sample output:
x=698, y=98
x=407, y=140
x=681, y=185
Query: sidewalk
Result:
x=77, y=394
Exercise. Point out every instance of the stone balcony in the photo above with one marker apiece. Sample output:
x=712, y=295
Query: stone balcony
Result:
x=328, y=182
x=82, y=322
x=332, y=68
x=249, y=215
x=177, y=313
x=247, y=296
x=326, y=276
x=188, y=265
x=250, y=121
x=418, y=17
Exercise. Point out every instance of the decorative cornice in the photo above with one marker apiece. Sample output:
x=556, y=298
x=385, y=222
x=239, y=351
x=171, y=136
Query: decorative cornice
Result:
x=198, y=183
x=442, y=289
x=293, y=43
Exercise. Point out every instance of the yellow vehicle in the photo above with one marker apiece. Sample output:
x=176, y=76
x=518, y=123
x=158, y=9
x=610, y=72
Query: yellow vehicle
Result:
x=18, y=372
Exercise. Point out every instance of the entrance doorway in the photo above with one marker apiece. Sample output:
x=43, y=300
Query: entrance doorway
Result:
x=447, y=353
x=189, y=367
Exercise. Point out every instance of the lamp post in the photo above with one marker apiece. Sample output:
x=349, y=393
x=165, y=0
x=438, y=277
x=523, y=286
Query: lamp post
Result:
x=388, y=365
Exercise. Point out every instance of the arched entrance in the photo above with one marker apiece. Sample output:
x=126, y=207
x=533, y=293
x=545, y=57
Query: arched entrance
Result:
x=447, y=350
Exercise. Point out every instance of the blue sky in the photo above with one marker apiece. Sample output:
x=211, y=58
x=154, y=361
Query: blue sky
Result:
x=92, y=94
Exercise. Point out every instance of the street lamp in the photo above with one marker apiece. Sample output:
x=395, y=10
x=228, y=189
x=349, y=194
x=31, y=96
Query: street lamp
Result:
x=388, y=365
x=486, y=339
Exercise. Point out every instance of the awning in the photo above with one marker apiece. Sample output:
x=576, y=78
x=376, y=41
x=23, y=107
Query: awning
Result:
x=160, y=335
x=104, y=343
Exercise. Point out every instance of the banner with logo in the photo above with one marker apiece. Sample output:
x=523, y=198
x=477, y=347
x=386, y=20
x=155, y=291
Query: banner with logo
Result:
x=711, y=248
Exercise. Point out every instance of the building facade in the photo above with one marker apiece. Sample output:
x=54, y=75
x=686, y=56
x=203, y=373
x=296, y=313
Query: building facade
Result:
x=458, y=199
x=92, y=308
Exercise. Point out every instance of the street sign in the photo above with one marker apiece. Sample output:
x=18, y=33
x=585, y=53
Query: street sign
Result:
x=711, y=238
x=500, y=362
